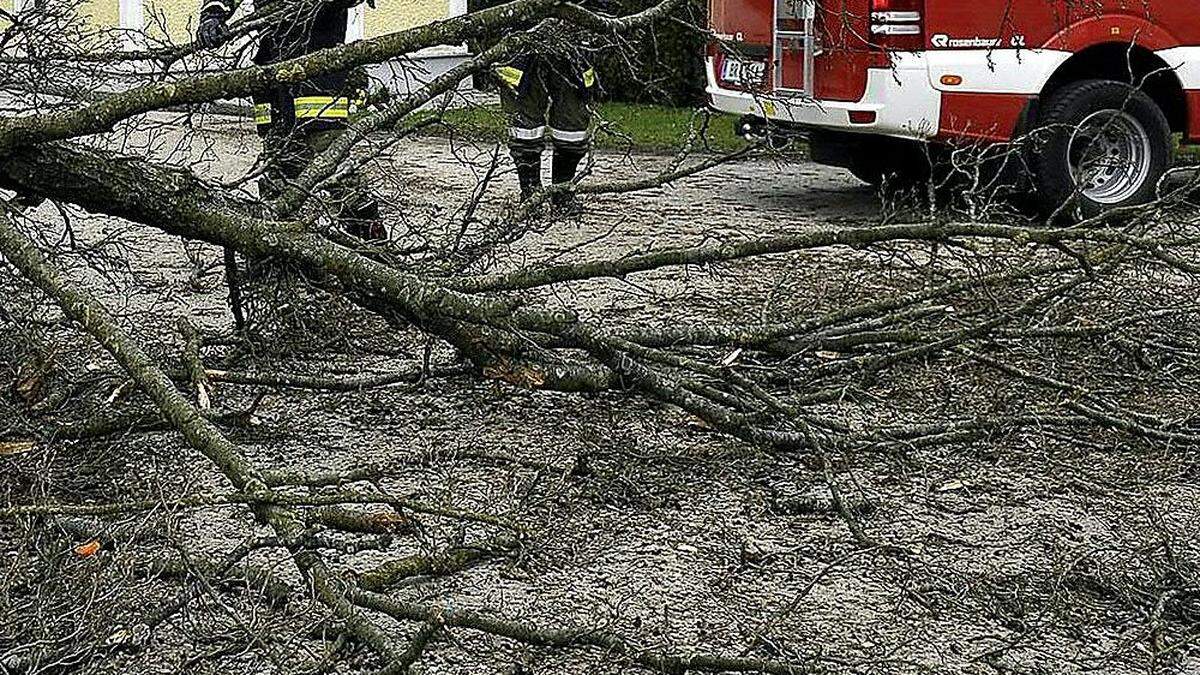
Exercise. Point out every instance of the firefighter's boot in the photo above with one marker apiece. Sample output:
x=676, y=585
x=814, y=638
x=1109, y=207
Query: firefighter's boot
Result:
x=529, y=173
x=363, y=220
x=566, y=162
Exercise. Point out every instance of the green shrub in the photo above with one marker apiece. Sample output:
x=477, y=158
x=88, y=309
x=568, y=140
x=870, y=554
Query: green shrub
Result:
x=662, y=63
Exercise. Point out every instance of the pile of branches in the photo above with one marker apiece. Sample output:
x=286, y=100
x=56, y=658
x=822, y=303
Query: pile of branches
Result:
x=1030, y=302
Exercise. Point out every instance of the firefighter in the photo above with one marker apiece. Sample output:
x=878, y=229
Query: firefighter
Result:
x=299, y=122
x=548, y=91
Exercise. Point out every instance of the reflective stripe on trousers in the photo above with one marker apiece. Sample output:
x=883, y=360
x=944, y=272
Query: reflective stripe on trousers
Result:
x=527, y=134
x=568, y=136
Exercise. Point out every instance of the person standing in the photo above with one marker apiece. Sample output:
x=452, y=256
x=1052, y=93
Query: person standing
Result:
x=548, y=91
x=299, y=122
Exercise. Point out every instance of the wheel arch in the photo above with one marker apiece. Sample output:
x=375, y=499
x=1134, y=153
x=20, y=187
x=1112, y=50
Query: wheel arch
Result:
x=1132, y=64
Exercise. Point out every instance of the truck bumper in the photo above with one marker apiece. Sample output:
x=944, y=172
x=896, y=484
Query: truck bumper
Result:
x=898, y=102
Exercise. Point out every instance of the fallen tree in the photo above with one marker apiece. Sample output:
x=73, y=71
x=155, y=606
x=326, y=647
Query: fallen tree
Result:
x=1018, y=300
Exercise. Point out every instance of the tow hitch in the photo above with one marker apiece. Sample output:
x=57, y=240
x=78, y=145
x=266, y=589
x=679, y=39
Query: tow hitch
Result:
x=755, y=128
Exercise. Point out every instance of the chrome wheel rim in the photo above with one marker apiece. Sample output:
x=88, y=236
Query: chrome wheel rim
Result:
x=1110, y=156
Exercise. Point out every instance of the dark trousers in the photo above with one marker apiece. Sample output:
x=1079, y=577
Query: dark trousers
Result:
x=287, y=154
x=291, y=145
x=544, y=95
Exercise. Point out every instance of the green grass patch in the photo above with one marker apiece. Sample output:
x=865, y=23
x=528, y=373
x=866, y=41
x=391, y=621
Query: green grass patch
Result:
x=621, y=126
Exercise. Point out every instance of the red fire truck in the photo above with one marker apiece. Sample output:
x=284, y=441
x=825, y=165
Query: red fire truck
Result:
x=1103, y=83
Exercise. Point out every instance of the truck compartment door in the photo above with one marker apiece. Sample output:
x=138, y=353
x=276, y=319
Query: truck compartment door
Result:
x=844, y=50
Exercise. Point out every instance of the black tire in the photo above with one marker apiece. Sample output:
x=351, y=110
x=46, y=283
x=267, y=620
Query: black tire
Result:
x=1118, y=111
x=902, y=165
x=870, y=174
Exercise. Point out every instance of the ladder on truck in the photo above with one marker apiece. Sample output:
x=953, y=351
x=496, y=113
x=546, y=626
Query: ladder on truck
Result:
x=794, y=47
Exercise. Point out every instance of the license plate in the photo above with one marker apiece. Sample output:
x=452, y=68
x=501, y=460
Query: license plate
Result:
x=745, y=73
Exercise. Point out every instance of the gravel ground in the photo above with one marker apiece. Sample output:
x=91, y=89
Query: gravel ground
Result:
x=1026, y=555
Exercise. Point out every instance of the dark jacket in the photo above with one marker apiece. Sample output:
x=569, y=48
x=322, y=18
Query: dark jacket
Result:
x=305, y=27
x=564, y=51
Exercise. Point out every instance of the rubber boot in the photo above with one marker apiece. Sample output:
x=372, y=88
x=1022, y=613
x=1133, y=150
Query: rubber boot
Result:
x=364, y=221
x=529, y=175
x=562, y=173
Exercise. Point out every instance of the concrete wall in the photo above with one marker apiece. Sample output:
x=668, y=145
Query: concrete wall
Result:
x=105, y=13
x=175, y=21
x=179, y=16
x=393, y=15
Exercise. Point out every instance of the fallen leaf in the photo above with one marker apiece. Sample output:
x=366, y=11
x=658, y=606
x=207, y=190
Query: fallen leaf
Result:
x=29, y=387
x=120, y=637
x=528, y=378
x=88, y=549
x=950, y=486
x=203, y=400
x=31, y=379
x=16, y=447
x=118, y=392
x=390, y=521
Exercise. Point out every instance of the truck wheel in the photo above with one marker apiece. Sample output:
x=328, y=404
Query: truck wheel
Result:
x=902, y=166
x=870, y=174
x=1104, y=145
